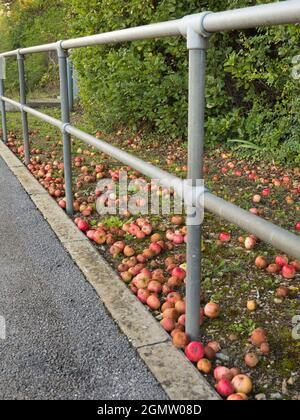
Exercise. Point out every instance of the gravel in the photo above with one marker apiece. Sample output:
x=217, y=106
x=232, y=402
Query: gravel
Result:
x=60, y=341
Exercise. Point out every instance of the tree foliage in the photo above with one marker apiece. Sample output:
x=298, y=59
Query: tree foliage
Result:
x=32, y=22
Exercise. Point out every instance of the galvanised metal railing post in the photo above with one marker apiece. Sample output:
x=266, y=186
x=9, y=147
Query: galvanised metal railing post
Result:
x=65, y=116
x=3, y=112
x=22, y=84
x=197, y=45
x=70, y=85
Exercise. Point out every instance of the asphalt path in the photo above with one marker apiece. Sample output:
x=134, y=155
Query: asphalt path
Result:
x=60, y=341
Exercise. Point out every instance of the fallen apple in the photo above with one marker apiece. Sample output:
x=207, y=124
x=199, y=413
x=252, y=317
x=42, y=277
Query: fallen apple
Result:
x=209, y=352
x=235, y=397
x=153, y=302
x=83, y=225
x=224, y=387
x=282, y=292
x=171, y=313
x=168, y=324
x=179, y=273
x=251, y=305
x=194, y=351
x=251, y=360
x=180, y=340
x=281, y=260
x=256, y=199
x=258, y=337
x=224, y=237
x=204, y=365
x=212, y=310
x=265, y=348
x=288, y=271
x=214, y=345
x=273, y=268
x=242, y=384
x=261, y=262
x=180, y=307
x=222, y=372
x=249, y=243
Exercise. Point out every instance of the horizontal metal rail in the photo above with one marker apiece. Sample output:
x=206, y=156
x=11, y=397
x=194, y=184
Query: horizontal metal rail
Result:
x=196, y=28
x=262, y=15
x=266, y=231
x=280, y=13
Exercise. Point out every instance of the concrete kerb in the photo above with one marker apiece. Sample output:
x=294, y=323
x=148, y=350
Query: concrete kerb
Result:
x=179, y=378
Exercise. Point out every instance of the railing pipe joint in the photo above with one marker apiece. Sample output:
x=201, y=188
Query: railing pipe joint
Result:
x=191, y=27
x=19, y=55
x=61, y=52
x=64, y=128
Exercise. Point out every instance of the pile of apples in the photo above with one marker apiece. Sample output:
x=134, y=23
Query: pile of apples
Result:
x=281, y=265
x=139, y=228
x=230, y=382
x=158, y=289
x=249, y=242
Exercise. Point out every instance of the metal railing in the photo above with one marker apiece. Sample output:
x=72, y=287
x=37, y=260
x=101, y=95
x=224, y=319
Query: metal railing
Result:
x=196, y=28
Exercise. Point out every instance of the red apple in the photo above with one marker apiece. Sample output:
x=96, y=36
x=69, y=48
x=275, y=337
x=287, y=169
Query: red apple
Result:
x=178, y=238
x=224, y=237
x=99, y=237
x=155, y=247
x=179, y=273
x=168, y=324
x=235, y=397
x=288, y=271
x=154, y=286
x=142, y=295
x=281, y=260
x=83, y=225
x=62, y=203
x=266, y=192
x=194, y=351
x=153, y=302
x=221, y=372
x=273, y=268
x=174, y=297
x=224, y=387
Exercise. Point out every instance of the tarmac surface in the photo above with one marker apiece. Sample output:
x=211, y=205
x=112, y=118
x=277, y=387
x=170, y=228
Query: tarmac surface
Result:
x=60, y=342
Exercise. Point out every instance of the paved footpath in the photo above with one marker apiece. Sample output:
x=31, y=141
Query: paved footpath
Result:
x=60, y=341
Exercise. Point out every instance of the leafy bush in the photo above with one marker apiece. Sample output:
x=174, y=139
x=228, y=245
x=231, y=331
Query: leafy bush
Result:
x=252, y=100
x=251, y=95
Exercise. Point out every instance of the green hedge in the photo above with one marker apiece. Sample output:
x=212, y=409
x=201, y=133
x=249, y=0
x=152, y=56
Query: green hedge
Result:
x=251, y=95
